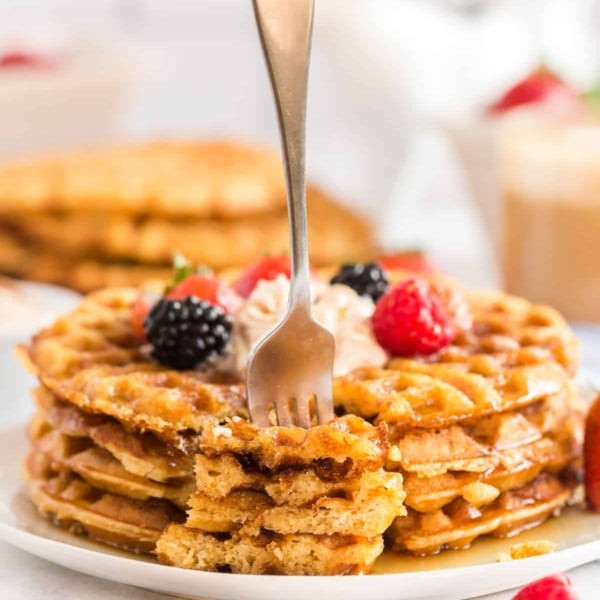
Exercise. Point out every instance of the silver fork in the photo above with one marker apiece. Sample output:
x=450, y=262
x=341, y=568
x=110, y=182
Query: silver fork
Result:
x=293, y=363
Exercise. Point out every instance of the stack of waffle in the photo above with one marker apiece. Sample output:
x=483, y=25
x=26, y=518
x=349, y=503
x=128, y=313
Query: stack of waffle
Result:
x=487, y=434
x=116, y=216
x=110, y=440
x=482, y=438
x=287, y=501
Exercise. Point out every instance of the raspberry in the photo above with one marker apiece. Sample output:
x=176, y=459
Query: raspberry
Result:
x=267, y=268
x=411, y=319
x=187, y=332
x=553, y=587
x=366, y=279
x=591, y=454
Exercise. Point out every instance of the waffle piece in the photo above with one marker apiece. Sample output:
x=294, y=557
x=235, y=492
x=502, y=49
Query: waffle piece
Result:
x=459, y=523
x=509, y=332
x=141, y=454
x=345, y=448
x=269, y=489
x=415, y=394
x=152, y=240
x=486, y=443
x=213, y=179
x=115, y=216
x=98, y=467
x=91, y=358
x=21, y=260
x=110, y=518
x=491, y=456
x=268, y=553
x=364, y=512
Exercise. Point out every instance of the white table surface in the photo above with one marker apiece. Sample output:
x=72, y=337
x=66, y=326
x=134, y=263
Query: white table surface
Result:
x=25, y=577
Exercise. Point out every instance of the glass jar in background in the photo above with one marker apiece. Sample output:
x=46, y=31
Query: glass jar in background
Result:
x=550, y=187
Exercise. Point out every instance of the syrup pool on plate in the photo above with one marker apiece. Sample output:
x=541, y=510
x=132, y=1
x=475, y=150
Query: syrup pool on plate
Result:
x=574, y=526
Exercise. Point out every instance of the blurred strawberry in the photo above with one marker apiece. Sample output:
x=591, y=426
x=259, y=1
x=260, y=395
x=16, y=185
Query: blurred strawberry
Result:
x=553, y=587
x=591, y=454
x=414, y=260
x=19, y=59
x=140, y=309
x=541, y=87
x=267, y=268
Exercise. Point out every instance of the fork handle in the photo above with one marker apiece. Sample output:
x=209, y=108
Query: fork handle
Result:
x=285, y=28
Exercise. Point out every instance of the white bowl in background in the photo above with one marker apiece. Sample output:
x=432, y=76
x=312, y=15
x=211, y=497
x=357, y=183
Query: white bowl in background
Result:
x=77, y=101
x=24, y=310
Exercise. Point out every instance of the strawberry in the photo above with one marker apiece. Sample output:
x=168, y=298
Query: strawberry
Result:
x=541, y=87
x=413, y=260
x=591, y=454
x=267, y=268
x=140, y=309
x=553, y=587
x=22, y=59
x=206, y=287
x=202, y=286
x=410, y=318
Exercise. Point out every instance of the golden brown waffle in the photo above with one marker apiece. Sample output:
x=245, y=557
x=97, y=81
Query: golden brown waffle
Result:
x=458, y=524
x=153, y=240
x=84, y=275
x=268, y=553
x=92, y=359
x=213, y=179
x=141, y=454
x=415, y=394
x=113, y=519
x=283, y=484
x=99, y=467
x=479, y=430
x=488, y=456
x=510, y=332
x=345, y=448
x=116, y=216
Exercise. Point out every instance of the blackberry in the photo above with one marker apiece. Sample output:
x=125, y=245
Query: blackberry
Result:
x=186, y=332
x=366, y=279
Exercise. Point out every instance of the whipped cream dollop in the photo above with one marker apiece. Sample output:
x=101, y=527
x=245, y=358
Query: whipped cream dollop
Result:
x=339, y=308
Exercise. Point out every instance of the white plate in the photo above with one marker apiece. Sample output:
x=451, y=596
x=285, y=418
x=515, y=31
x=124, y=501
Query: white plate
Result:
x=449, y=576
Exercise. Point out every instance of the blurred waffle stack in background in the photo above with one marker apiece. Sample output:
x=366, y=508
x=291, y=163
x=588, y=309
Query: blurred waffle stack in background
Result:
x=116, y=216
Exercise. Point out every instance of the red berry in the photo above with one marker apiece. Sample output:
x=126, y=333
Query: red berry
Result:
x=541, y=87
x=140, y=309
x=553, y=587
x=21, y=59
x=591, y=454
x=405, y=261
x=410, y=318
x=209, y=288
x=267, y=268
